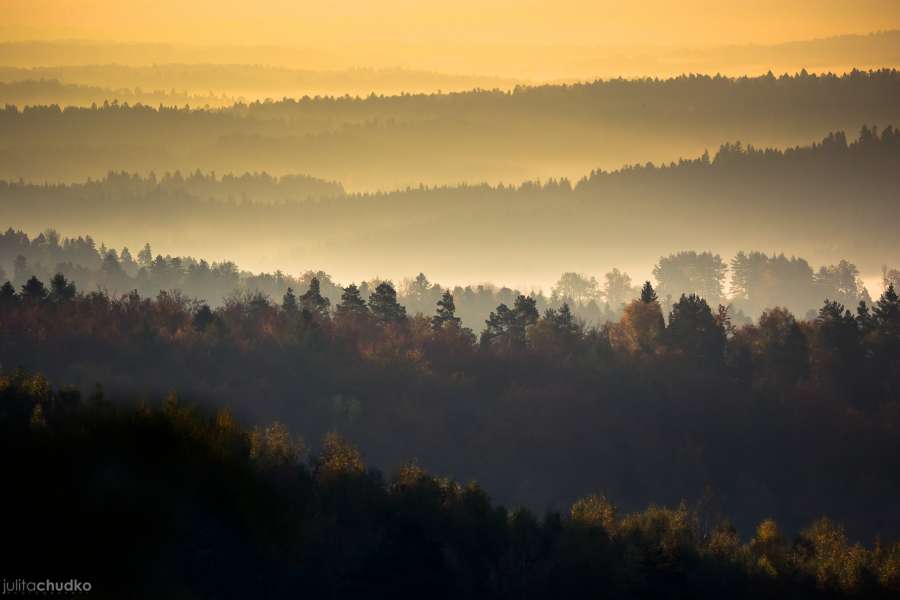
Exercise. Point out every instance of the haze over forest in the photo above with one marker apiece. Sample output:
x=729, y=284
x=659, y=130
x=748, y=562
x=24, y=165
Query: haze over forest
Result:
x=490, y=299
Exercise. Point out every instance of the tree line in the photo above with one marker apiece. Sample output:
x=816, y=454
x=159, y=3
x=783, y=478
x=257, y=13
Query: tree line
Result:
x=757, y=281
x=378, y=142
x=780, y=417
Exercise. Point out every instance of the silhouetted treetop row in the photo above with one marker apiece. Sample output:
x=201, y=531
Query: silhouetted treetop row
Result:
x=388, y=142
x=779, y=417
x=749, y=284
x=691, y=91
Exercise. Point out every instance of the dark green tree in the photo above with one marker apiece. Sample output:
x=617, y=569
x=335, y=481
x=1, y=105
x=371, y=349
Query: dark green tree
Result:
x=384, y=306
x=507, y=327
x=694, y=331
x=203, y=318
x=313, y=301
x=34, y=290
x=352, y=304
x=836, y=348
x=648, y=295
x=446, y=312
x=61, y=289
x=887, y=313
x=525, y=310
x=864, y=319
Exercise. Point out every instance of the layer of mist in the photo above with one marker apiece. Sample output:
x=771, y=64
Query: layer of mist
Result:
x=827, y=201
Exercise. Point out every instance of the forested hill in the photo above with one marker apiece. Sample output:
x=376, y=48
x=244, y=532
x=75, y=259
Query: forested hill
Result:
x=779, y=418
x=392, y=141
x=826, y=201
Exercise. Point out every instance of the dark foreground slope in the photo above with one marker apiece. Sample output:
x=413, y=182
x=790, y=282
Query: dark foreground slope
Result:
x=170, y=502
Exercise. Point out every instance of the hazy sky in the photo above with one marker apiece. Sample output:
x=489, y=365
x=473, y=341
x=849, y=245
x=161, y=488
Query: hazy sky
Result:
x=328, y=23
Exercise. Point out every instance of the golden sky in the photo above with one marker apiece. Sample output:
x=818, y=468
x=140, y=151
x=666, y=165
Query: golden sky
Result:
x=326, y=23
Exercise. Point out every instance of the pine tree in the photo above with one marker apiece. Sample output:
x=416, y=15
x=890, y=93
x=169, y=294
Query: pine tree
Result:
x=446, y=312
x=887, y=313
x=61, y=289
x=648, y=295
x=313, y=300
x=864, y=319
x=8, y=295
x=384, y=306
x=352, y=304
x=507, y=327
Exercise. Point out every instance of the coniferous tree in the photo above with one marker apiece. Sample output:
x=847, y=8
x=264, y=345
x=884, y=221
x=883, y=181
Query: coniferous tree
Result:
x=352, y=304
x=384, y=306
x=446, y=312
x=506, y=327
x=526, y=312
x=835, y=348
x=313, y=301
x=887, y=312
x=34, y=290
x=61, y=289
x=648, y=295
x=864, y=319
x=8, y=295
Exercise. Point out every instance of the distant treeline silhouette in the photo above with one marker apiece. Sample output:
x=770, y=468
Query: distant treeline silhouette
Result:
x=750, y=283
x=816, y=201
x=208, y=508
x=780, y=418
x=379, y=142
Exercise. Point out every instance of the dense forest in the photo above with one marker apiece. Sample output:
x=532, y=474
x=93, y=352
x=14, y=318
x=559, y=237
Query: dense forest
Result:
x=782, y=417
x=209, y=509
x=826, y=201
x=483, y=299
x=384, y=142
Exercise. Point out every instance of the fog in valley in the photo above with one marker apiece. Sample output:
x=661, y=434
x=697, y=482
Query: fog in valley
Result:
x=486, y=299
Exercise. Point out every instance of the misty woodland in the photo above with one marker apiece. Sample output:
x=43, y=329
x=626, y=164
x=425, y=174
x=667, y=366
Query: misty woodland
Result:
x=479, y=300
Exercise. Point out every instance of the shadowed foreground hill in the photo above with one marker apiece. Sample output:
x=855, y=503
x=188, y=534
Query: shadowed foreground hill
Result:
x=171, y=502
